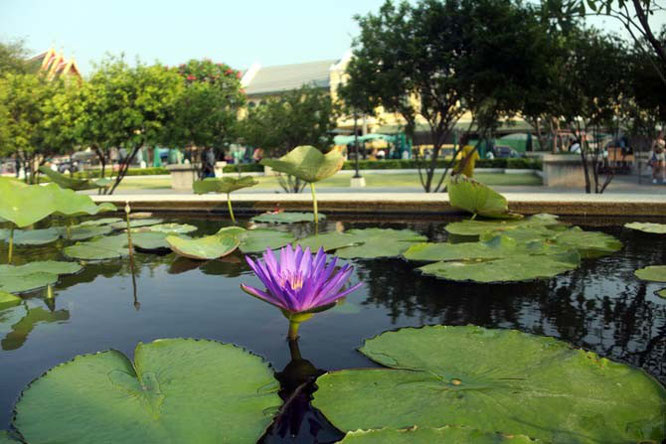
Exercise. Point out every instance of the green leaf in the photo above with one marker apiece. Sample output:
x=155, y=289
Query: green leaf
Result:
x=478, y=227
x=662, y=293
x=258, y=240
x=307, y=163
x=67, y=182
x=150, y=242
x=136, y=223
x=519, y=267
x=32, y=237
x=176, y=390
x=69, y=203
x=203, y=248
x=85, y=232
x=172, y=228
x=8, y=300
x=494, y=380
x=22, y=204
x=653, y=273
x=327, y=241
x=35, y=275
x=473, y=196
x=103, y=221
x=495, y=248
x=284, y=217
x=379, y=242
x=590, y=244
x=104, y=248
x=224, y=185
x=647, y=227
x=425, y=435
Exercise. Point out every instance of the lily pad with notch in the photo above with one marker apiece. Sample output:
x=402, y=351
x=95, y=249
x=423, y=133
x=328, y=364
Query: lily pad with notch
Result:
x=203, y=248
x=494, y=380
x=379, y=242
x=176, y=390
x=103, y=248
x=327, y=241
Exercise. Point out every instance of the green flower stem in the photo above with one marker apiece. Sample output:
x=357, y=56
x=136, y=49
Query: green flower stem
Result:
x=49, y=292
x=11, y=245
x=129, y=234
x=231, y=210
x=314, y=202
x=292, y=335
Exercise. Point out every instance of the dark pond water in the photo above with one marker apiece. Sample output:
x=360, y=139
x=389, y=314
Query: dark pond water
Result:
x=600, y=307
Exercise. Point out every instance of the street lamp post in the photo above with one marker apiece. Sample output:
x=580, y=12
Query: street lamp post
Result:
x=357, y=181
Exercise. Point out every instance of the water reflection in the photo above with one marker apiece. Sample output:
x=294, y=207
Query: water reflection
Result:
x=16, y=323
x=298, y=421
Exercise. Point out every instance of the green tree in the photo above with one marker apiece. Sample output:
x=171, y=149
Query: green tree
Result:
x=13, y=56
x=305, y=116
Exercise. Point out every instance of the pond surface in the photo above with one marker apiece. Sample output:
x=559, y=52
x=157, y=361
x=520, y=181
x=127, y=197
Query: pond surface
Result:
x=600, y=306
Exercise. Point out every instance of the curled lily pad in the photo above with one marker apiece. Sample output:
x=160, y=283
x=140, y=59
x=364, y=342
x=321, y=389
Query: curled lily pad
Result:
x=494, y=380
x=284, y=217
x=22, y=204
x=471, y=195
x=70, y=183
x=379, y=242
x=176, y=390
x=8, y=300
x=224, y=185
x=426, y=435
x=35, y=275
x=103, y=248
x=478, y=227
x=647, y=227
x=136, y=223
x=150, y=242
x=172, y=228
x=327, y=241
x=32, y=237
x=203, y=248
x=307, y=163
x=519, y=267
x=653, y=273
x=590, y=244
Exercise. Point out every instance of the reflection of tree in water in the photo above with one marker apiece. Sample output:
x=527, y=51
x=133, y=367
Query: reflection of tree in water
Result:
x=298, y=421
x=18, y=332
x=599, y=306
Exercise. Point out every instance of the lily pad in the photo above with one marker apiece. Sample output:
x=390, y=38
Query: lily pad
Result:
x=254, y=241
x=224, y=185
x=32, y=237
x=22, y=204
x=176, y=390
x=327, y=241
x=590, y=244
x=203, y=248
x=172, y=228
x=69, y=203
x=8, y=300
x=85, y=232
x=478, y=227
x=284, y=217
x=6, y=438
x=102, y=221
x=150, y=242
x=520, y=267
x=136, y=223
x=35, y=275
x=494, y=380
x=495, y=248
x=307, y=163
x=653, y=273
x=425, y=435
x=647, y=227
x=662, y=293
x=471, y=195
x=103, y=248
x=379, y=242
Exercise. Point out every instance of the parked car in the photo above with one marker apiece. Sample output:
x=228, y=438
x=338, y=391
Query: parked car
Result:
x=69, y=166
x=503, y=152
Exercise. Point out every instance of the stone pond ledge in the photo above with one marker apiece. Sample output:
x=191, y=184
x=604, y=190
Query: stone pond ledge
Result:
x=398, y=203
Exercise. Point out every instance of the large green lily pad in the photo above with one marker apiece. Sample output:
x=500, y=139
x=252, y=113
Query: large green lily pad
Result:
x=254, y=241
x=32, y=237
x=647, y=227
x=494, y=380
x=653, y=273
x=471, y=195
x=8, y=300
x=519, y=267
x=307, y=163
x=327, y=241
x=203, y=248
x=426, y=435
x=379, y=242
x=35, y=275
x=69, y=203
x=102, y=221
x=590, y=244
x=136, y=223
x=176, y=390
x=85, y=232
x=103, y=248
x=495, y=248
x=224, y=185
x=284, y=217
x=150, y=242
x=171, y=228
x=22, y=204
x=478, y=227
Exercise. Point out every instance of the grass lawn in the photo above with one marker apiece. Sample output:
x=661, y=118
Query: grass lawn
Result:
x=342, y=181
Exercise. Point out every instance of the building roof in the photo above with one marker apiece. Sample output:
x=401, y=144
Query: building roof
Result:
x=274, y=79
x=53, y=64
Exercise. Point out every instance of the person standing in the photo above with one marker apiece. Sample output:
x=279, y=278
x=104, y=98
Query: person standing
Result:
x=657, y=160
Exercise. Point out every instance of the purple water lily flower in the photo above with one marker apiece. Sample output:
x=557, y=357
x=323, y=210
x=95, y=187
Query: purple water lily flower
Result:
x=301, y=283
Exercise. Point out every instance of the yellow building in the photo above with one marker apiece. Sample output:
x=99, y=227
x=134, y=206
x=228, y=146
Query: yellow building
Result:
x=54, y=64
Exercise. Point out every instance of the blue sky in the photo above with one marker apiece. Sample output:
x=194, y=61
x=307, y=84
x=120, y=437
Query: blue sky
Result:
x=235, y=32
